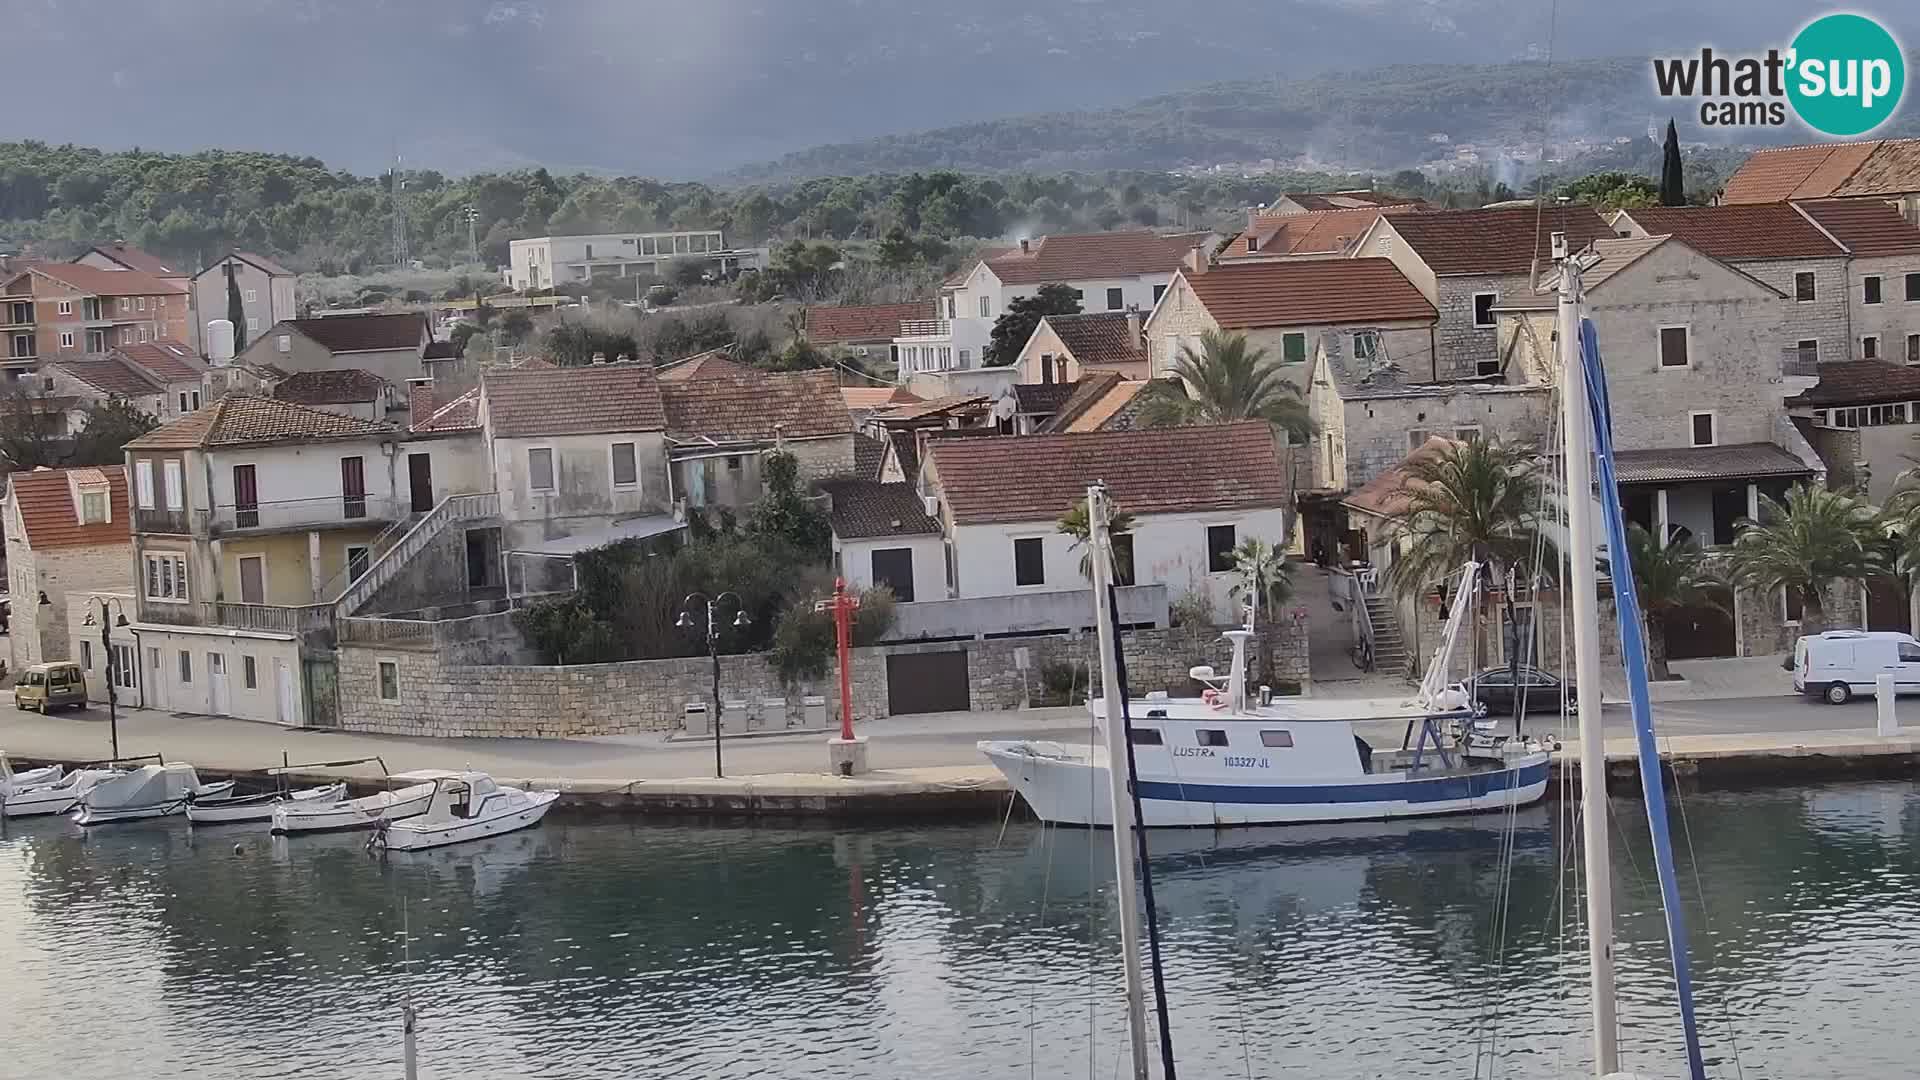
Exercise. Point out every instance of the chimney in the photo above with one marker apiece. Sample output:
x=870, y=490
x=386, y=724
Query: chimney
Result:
x=1133, y=325
x=1026, y=246
x=599, y=358
x=1196, y=260
x=1253, y=216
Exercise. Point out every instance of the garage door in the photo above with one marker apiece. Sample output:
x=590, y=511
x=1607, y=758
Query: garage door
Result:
x=1886, y=605
x=1695, y=633
x=927, y=682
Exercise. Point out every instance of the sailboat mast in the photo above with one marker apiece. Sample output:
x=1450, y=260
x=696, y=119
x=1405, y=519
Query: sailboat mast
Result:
x=1122, y=802
x=1576, y=428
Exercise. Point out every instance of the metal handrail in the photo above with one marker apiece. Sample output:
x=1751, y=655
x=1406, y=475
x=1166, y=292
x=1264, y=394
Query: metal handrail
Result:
x=464, y=507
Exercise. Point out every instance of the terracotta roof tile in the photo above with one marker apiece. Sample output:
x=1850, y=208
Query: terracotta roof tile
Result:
x=1742, y=231
x=99, y=281
x=171, y=361
x=333, y=386
x=1688, y=463
x=1861, y=382
x=869, y=454
x=1893, y=168
x=1868, y=227
x=1313, y=233
x=1495, y=241
x=1087, y=390
x=1076, y=257
x=864, y=322
x=364, y=333
x=950, y=404
x=704, y=365
x=1149, y=471
x=595, y=400
x=535, y=363
x=1789, y=172
x=1242, y=296
x=1109, y=409
x=246, y=420
x=1386, y=494
x=135, y=259
x=1098, y=337
x=862, y=509
x=47, y=511
x=875, y=398
x=906, y=451
x=748, y=407
x=112, y=377
x=460, y=414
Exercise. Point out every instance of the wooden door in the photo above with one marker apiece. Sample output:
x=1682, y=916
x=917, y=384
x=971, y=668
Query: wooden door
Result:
x=1694, y=633
x=246, y=498
x=1887, y=605
x=253, y=579
x=927, y=682
x=353, y=487
x=420, y=482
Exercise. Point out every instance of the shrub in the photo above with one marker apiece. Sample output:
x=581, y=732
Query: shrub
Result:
x=1193, y=608
x=1064, y=682
x=804, y=641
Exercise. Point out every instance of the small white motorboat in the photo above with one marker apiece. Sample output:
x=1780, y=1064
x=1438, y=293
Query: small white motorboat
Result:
x=469, y=806
x=149, y=791
x=13, y=779
x=364, y=812
x=54, y=797
x=233, y=809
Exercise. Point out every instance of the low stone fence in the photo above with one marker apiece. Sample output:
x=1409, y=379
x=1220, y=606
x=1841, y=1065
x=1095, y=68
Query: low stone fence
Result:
x=435, y=693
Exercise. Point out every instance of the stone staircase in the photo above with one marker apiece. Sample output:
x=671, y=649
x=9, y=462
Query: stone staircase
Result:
x=1390, y=655
x=389, y=564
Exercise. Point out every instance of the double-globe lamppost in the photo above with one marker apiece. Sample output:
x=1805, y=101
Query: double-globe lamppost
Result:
x=687, y=622
x=107, y=621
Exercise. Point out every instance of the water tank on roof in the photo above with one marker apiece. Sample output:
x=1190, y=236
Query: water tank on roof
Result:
x=220, y=342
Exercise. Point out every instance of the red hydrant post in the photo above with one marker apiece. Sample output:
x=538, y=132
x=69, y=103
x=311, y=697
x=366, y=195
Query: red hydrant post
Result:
x=843, y=606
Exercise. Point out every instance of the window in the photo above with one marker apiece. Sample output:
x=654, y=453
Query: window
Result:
x=1487, y=367
x=965, y=357
x=1870, y=347
x=950, y=308
x=121, y=668
x=126, y=304
x=195, y=395
x=1803, y=286
x=1293, y=348
x=984, y=313
x=733, y=463
x=166, y=576
x=1366, y=345
x=1909, y=654
x=249, y=673
x=1702, y=423
x=66, y=339
x=1793, y=605
x=389, y=680
x=66, y=307
x=86, y=655
x=626, y=470
x=143, y=332
x=1046, y=368
x=252, y=570
x=283, y=342
x=246, y=497
x=1122, y=558
x=143, y=483
x=1913, y=286
x=186, y=667
x=1913, y=348
x=1114, y=301
x=1220, y=543
x=1483, y=308
x=253, y=325
x=1673, y=347
x=183, y=402
x=1809, y=350
x=96, y=341
x=1210, y=737
x=1161, y=290
x=93, y=508
x=540, y=469
x=249, y=296
x=1276, y=739
x=1029, y=561
x=1145, y=737
x=140, y=303
x=1079, y=294
x=153, y=658
x=1871, y=289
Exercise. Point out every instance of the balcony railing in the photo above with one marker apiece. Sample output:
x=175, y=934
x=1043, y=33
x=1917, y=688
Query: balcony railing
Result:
x=272, y=618
x=1796, y=362
x=175, y=522
x=933, y=328
x=330, y=511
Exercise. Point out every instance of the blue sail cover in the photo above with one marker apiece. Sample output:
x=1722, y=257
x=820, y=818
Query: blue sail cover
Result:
x=1633, y=652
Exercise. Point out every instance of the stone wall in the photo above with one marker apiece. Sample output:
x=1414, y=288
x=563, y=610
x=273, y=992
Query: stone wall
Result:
x=437, y=574
x=1459, y=344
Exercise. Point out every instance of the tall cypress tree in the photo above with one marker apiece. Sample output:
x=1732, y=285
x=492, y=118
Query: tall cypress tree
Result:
x=1673, y=182
x=236, y=311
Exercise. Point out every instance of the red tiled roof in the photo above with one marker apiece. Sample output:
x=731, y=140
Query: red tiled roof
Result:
x=535, y=363
x=1077, y=257
x=959, y=277
x=1682, y=464
x=1741, y=231
x=862, y=509
x=1386, y=494
x=135, y=259
x=940, y=406
x=460, y=414
x=47, y=510
x=704, y=365
x=264, y=263
x=876, y=398
x=1098, y=337
x=1504, y=240
x=1312, y=233
x=1088, y=390
x=170, y=361
x=869, y=454
x=100, y=281
x=365, y=333
x=748, y=407
x=1861, y=382
x=1242, y=296
x=112, y=377
x=245, y=420
x=1109, y=411
x=1892, y=169
x=333, y=386
x=595, y=400
x=1868, y=227
x=1796, y=172
x=1148, y=470
x=864, y=322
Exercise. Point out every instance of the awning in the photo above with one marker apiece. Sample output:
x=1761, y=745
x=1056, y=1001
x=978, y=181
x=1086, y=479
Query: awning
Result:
x=640, y=528
x=1689, y=464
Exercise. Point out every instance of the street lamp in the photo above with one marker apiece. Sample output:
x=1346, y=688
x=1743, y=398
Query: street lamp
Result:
x=686, y=622
x=107, y=621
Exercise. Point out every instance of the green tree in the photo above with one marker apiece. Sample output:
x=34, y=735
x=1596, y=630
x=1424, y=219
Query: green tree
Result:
x=30, y=426
x=515, y=325
x=1673, y=173
x=1613, y=191
x=109, y=426
x=805, y=640
x=1261, y=570
x=1813, y=538
x=462, y=333
x=785, y=514
x=1668, y=577
x=1223, y=381
x=1075, y=523
x=236, y=311
x=1011, y=330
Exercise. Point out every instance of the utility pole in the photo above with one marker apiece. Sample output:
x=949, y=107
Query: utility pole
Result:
x=472, y=214
x=401, y=256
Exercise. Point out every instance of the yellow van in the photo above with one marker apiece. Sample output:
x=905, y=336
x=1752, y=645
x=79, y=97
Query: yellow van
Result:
x=45, y=687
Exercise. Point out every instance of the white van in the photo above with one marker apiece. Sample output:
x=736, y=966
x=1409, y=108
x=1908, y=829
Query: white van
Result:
x=1841, y=663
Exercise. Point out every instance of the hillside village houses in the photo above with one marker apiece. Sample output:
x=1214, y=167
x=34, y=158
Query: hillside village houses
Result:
x=67, y=532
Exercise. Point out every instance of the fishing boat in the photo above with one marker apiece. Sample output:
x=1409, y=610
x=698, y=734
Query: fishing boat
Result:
x=56, y=796
x=244, y=808
x=365, y=812
x=149, y=791
x=468, y=806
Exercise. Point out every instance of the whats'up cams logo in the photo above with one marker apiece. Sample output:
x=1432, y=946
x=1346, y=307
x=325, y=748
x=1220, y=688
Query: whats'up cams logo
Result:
x=1842, y=76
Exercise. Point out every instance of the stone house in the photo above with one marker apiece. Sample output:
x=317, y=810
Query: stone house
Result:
x=1064, y=348
x=1883, y=274
x=1873, y=170
x=1330, y=232
x=181, y=374
x=266, y=292
x=1861, y=416
x=67, y=537
x=346, y=391
x=393, y=346
x=721, y=423
x=105, y=379
x=1467, y=262
x=865, y=331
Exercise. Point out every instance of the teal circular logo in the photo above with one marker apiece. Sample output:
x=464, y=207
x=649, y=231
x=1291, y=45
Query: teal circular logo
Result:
x=1847, y=75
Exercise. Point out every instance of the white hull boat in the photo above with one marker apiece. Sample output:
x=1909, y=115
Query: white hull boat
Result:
x=255, y=808
x=57, y=797
x=365, y=812
x=467, y=807
x=21, y=778
x=150, y=791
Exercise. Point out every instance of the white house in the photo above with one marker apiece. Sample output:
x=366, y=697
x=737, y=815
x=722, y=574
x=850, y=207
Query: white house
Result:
x=266, y=292
x=67, y=538
x=543, y=262
x=882, y=535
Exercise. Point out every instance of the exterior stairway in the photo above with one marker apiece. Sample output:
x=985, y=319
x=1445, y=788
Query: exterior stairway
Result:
x=389, y=563
x=1390, y=655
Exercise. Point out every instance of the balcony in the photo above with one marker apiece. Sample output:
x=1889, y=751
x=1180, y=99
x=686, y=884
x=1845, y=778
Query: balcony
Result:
x=926, y=328
x=173, y=522
x=1798, y=363
x=326, y=512
x=270, y=618
x=16, y=314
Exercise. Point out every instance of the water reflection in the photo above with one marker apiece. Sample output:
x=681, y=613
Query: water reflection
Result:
x=626, y=949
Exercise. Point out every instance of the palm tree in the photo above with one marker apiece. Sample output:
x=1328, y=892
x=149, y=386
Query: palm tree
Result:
x=1224, y=381
x=1074, y=523
x=1668, y=577
x=1814, y=537
x=1473, y=500
x=1261, y=572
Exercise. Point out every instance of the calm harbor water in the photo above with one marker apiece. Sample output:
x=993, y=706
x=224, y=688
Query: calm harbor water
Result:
x=600, y=949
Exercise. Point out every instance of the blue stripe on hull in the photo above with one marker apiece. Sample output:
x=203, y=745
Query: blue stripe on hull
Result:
x=1438, y=789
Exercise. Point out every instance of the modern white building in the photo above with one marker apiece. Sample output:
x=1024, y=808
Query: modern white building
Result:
x=543, y=262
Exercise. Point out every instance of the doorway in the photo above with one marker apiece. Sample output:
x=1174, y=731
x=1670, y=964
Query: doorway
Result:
x=283, y=692
x=253, y=579
x=219, y=700
x=420, y=482
x=483, y=558
x=927, y=682
x=893, y=567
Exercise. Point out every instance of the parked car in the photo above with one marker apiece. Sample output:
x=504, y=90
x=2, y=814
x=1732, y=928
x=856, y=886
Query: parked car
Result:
x=1494, y=688
x=1841, y=663
x=46, y=687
